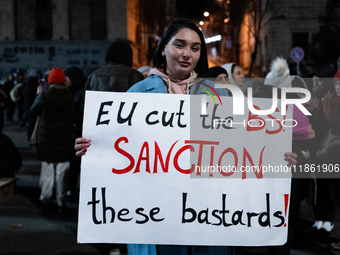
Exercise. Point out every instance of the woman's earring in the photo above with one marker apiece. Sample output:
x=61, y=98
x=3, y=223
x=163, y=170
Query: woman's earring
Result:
x=163, y=54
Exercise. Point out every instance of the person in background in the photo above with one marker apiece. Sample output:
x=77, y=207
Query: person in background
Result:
x=220, y=76
x=145, y=71
x=253, y=83
x=333, y=158
x=235, y=75
x=3, y=100
x=117, y=75
x=75, y=80
x=29, y=94
x=17, y=96
x=42, y=81
x=54, y=139
x=279, y=77
x=219, y=73
x=10, y=157
x=10, y=105
x=320, y=107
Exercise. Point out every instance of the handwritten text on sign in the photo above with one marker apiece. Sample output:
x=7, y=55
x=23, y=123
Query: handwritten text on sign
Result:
x=156, y=172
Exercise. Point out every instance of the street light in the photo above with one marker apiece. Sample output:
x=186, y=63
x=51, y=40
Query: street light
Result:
x=206, y=14
x=201, y=23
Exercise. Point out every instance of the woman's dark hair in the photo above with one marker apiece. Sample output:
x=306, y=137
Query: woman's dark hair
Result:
x=159, y=61
x=232, y=68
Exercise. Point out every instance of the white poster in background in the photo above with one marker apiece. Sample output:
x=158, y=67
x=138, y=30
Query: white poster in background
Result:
x=140, y=183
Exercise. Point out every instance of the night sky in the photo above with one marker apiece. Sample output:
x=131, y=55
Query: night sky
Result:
x=192, y=9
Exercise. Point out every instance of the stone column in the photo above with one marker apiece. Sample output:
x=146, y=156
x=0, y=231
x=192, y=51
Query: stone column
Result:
x=7, y=20
x=26, y=20
x=60, y=20
x=80, y=28
x=116, y=19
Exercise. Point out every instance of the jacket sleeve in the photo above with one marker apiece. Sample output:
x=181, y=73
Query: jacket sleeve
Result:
x=35, y=111
x=88, y=82
x=136, y=77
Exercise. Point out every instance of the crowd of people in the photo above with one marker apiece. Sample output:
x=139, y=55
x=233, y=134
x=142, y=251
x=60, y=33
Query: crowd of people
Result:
x=51, y=107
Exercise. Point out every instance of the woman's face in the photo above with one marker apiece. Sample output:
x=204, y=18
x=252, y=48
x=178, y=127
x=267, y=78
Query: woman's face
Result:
x=318, y=83
x=238, y=76
x=222, y=79
x=182, y=53
x=337, y=87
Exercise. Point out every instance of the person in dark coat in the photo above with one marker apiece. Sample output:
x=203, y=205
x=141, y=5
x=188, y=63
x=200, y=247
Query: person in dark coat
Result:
x=10, y=157
x=75, y=80
x=10, y=105
x=19, y=97
x=3, y=100
x=117, y=75
x=29, y=94
x=54, y=137
x=324, y=206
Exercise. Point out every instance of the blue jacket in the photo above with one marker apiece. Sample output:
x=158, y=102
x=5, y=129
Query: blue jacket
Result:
x=155, y=84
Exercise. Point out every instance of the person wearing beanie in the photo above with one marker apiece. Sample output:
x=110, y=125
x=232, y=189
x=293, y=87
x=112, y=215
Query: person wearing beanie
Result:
x=217, y=72
x=117, y=75
x=54, y=144
x=145, y=70
x=220, y=76
x=119, y=52
x=56, y=76
x=277, y=77
x=279, y=74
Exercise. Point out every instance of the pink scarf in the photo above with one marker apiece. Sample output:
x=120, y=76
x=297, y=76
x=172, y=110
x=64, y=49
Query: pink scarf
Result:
x=174, y=86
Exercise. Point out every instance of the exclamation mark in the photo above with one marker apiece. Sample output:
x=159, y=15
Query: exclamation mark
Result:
x=284, y=117
x=286, y=196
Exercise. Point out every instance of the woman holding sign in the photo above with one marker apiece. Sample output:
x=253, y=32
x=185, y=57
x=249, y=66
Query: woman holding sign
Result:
x=180, y=57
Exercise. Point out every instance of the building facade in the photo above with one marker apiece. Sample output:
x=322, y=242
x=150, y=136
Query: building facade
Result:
x=41, y=34
x=286, y=24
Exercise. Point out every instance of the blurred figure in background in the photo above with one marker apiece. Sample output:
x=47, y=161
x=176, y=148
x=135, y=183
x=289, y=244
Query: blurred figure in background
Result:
x=42, y=82
x=3, y=100
x=54, y=138
x=10, y=105
x=29, y=94
x=235, y=75
x=17, y=94
x=220, y=76
x=10, y=157
x=75, y=81
x=145, y=71
x=253, y=83
x=320, y=107
x=117, y=75
x=219, y=73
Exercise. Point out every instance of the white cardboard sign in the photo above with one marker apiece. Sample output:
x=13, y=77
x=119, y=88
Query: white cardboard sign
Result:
x=146, y=176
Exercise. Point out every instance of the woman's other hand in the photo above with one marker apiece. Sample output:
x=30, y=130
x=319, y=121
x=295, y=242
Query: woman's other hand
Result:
x=81, y=146
x=291, y=158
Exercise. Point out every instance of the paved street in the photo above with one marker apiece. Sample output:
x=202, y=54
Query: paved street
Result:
x=24, y=230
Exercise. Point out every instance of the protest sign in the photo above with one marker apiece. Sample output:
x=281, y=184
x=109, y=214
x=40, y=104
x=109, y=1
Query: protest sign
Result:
x=160, y=172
